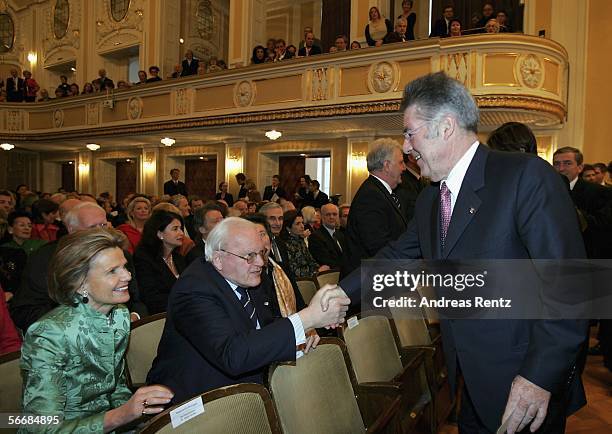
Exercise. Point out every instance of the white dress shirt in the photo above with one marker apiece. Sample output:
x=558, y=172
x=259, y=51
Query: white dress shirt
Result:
x=387, y=186
x=455, y=177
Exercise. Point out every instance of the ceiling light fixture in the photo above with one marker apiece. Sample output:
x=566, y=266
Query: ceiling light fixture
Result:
x=92, y=146
x=168, y=141
x=7, y=146
x=181, y=41
x=273, y=134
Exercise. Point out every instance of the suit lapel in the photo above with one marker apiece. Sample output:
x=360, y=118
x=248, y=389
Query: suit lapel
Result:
x=384, y=191
x=331, y=241
x=228, y=294
x=468, y=201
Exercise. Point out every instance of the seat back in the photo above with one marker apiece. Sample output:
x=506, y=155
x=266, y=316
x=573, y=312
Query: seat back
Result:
x=331, y=276
x=308, y=288
x=142, y=349
x=373, y=349
x=316, y=395
x=10, y=383
x=238, y=409
x=411, y=332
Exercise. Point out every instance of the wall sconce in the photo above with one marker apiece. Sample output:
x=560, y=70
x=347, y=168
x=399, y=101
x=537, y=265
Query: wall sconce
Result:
x=358, y=161
x=32, y=57
x=83, y=168
x=234, y=162
x=149, y=164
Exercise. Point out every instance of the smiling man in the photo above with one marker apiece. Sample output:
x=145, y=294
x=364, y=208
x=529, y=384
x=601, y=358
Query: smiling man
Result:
x=483, y=205
x=220, y=328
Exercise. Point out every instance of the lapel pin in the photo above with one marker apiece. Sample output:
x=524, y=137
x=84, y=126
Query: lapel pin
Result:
x=472, y=210
x=266, y=303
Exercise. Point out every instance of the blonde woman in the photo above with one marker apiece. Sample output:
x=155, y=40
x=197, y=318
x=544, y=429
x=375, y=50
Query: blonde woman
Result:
x=138, y=212
x=377, y=28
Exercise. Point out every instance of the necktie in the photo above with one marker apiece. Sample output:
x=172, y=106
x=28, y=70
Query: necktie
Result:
x=337, y=241
x=249, y=307
x=276, y=252
x=396, y=200
x=445, y=212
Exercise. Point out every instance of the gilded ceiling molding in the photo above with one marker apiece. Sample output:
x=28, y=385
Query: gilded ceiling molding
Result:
x=523, y=102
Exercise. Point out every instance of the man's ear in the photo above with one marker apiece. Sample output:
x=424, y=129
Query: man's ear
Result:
x=447, y=126
x=216, y=261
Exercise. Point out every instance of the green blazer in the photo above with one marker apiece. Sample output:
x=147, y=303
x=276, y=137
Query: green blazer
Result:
x=72, y=365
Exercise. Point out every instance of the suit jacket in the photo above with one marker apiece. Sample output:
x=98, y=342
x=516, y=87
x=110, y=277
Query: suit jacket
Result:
x=440, y=29
x=155, y=279
x=188, y=69
x=242, y=192
x=392, y=37
x=171, y=188
x=511, y=206
x=228, y=198
x=268, y=193
x=15, y=88
x=32, y=300
x=209, y=340
x=595, y=203
x=313, y=51
x=374, y=220
x=325, y=250
x=318, y=201
x=408, y=191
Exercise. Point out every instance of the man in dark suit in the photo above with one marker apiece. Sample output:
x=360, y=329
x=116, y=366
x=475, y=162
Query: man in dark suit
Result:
x=274, y=192
x=189, y=64
x=376, y=216
x=490, y=205
x=327, y=244
x=220, y=329
x=309, y=49
x=441, y=26
x=241, y=180
x=174, y=186
x=317, y=198
x=411, y=186
x=15, y=87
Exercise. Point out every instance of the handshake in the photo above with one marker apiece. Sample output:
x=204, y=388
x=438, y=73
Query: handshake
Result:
x=327, y=308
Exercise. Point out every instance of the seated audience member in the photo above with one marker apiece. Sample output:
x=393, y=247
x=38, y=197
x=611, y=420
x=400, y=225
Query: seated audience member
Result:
x=224, y=195
x=74, y=90
x=32, y=300
x=142, y=77
x=513, y=137
x=318, y=197
x=241, y=206
x=377, y=28
x=87, y=88
x=441, y=27
x=310, y=216
x=291, y=50
x=220, y=329
x=122, y=84
x=601, y=170
x=182, y=204
x=194, y=203
x=343, y=210
x=176, y=72
x=280, y=51
x=44, y=213
x=188, y=243
x=286, y=205
x=488, y=13
x=301, y=261
x=212, y=65
x=138, y=212
x=399, y=35
x=328, y=244
x=259, y=55
x=502, y=20
x=204, y=221
x=157, y=260
x=44, y=96
x=341, y=43
x=316, y=41
x=85, y=383
x=64, y=87
x=309, y=49
x=492, y=26
x=455, y=28
x=355, y=45
x=274, y=192
x=9, y=337
x=190, y=64
x=154, y=74
x=410, y=18
x=20, y=229
x=252, y=208
x=274, y=215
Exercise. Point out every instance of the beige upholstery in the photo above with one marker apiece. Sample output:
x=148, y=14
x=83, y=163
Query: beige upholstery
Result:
x=373, y=350
x=412, y=332
x=242, y=413
x=331, y=277
x=142, y=349
x=431, y=313
x=316, y=395
x=308, y=288
x=10, y=383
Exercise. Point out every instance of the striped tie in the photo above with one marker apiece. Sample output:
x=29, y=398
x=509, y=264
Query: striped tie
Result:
x=396, y=200
x=249, y=307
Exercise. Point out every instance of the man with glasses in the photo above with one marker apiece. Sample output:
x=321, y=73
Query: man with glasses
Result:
x=376, y=216
x=220, y=328
x=484, y=205
x=32, y=300
x=280, y=48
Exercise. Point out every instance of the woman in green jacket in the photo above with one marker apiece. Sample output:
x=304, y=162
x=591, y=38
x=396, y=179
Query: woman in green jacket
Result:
x=72, y=358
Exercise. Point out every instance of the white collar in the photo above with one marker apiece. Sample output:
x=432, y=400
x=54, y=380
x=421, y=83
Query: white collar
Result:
x=573, y=183
x=455, y=177
x=387, y=186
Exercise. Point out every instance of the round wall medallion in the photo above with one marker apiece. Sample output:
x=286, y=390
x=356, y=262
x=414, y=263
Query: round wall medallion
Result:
x=244, y=93
x=383, y=77
x=58, y=118
x=530, y=70
x=134, y=107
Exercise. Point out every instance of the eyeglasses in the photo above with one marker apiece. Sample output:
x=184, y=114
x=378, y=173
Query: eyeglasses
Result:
x=409, y=134
x=249, y=258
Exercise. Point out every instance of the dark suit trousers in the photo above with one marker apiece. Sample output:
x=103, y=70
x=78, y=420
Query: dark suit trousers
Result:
x=469, y=422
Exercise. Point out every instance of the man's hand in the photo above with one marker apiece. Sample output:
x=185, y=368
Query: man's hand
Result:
x=312, y=340
x=314, y=316
x=527, y=403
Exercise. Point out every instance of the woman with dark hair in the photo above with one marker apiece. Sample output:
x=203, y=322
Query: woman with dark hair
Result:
x=20, y=192
x=410, y=17
x=377, y=28
x=488, y=13
x=72, y=360
x=44, y=213
x=20, y=230
x=87, y=88
x=454, y=26
x=142, y=77
x=259, y=55
x=513, y=137
x=224, y=195
x=301, y=262
x=355, y=45
x=74, y=89
x=157, y=259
